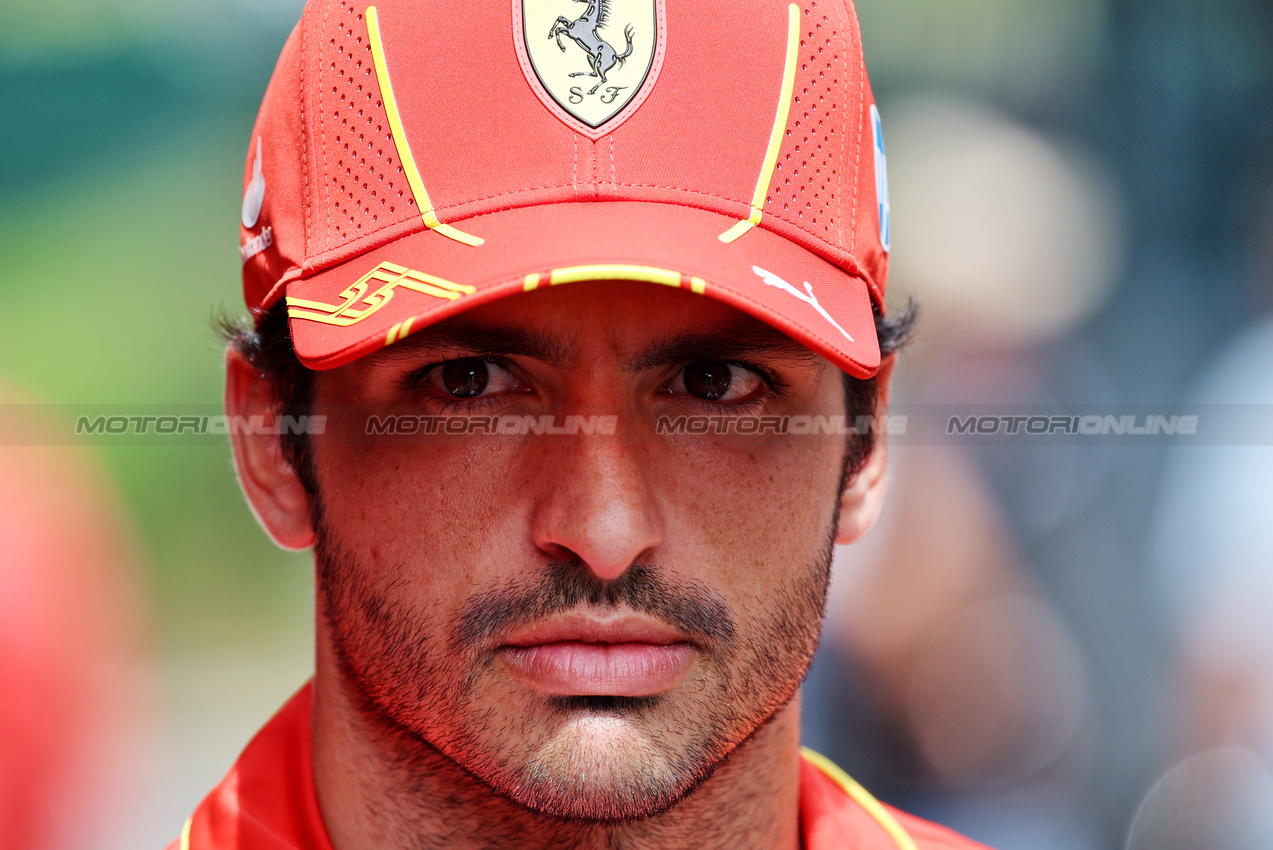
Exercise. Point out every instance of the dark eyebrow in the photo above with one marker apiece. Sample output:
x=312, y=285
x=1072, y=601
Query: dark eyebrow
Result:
x=482, y=340
x=738, y=341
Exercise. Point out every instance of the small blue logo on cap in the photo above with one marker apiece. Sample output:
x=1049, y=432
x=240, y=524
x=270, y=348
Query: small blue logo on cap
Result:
x=881, y=177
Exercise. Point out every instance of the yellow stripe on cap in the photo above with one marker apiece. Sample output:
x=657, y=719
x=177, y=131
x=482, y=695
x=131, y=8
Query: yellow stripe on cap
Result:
x=531, y=283
x=775, y=135
x=740, y=228
x=616, y=271
x=185, y=834
x=862, y=797
x=400, y=139
x=399, y=332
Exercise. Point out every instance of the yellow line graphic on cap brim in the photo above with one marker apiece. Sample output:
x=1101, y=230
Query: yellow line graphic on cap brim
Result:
x=400, y=139
x=391, y=277
x=613, y=271
x=610, y=271
x=775, y=135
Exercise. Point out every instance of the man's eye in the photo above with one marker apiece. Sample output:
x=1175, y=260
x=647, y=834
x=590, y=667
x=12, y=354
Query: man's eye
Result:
x=470, y=377
x=716, y=381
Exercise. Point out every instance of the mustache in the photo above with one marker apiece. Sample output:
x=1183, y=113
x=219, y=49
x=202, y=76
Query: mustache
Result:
x=691, y=608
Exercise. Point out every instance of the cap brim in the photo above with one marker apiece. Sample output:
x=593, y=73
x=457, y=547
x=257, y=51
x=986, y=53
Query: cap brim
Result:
x=377, y=298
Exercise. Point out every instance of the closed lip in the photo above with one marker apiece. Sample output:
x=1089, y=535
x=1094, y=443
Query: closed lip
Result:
x=626, y=627
x=626, y=654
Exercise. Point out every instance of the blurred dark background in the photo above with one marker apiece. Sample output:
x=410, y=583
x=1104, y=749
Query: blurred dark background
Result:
x=1107, y=169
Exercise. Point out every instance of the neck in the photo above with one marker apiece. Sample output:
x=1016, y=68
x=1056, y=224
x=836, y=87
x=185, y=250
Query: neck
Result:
x=379, y=787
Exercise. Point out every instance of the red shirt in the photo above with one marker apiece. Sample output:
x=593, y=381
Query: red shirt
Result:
x=267, y=802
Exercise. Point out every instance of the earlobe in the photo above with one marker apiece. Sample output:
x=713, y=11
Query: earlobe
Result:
x=273, y=490
x=863, y=495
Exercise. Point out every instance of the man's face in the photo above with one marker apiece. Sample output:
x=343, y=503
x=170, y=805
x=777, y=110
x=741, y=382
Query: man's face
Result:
x=587, y=623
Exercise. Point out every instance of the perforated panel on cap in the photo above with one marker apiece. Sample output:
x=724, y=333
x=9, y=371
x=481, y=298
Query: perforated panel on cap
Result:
x=365, y=187
x=475, y=140
x=808, y=184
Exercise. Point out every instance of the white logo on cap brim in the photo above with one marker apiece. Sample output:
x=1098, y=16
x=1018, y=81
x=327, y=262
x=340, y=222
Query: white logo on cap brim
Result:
x=881, y=179
x=807, y=296
x=254, y=195
x=593, y=62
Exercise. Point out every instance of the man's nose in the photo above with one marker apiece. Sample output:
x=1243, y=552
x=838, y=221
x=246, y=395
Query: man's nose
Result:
x=596, y=505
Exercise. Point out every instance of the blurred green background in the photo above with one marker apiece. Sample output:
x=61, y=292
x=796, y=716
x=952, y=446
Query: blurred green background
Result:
x=119, y=173
x=121, y=152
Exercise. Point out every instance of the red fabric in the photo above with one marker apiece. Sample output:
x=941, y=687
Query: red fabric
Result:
x=267, y=802
x=831, y=820
x=488, y=144
x=534, y=240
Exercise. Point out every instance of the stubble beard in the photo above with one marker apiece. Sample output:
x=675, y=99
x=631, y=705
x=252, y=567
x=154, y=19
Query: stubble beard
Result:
x=419, y=681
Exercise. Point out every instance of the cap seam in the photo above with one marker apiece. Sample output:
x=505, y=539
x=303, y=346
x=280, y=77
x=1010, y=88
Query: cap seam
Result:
x=395, y=223
x=617, y=184
x=322, y=129
x=856, y=33
x=844, y=77
x=613, y=184
x=454, y=207
x=594, y=170
x=306, y=202
x=318, y=262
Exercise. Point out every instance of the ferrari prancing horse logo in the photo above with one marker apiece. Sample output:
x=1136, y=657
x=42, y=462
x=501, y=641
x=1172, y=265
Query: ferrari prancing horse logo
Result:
x=601, y=56
x=591, y=64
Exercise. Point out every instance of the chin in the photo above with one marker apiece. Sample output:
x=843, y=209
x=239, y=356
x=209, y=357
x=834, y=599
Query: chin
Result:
x=602, y=769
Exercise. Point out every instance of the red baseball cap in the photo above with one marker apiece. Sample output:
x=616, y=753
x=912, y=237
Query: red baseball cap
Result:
x=412, y=160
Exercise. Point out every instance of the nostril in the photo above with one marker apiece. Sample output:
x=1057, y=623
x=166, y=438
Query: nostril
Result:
x=560, y=554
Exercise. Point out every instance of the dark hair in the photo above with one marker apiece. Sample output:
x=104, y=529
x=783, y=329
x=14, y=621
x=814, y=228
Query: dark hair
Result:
x=268, y=347
x=861, y=395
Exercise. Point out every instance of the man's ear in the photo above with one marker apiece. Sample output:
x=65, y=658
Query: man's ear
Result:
x=863, y=495
x=273, y=490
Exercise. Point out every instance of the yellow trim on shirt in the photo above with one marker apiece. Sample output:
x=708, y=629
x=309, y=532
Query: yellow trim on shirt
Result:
x=862, y=797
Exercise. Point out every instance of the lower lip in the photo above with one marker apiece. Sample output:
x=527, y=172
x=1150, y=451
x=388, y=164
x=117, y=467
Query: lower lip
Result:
x=574, y=668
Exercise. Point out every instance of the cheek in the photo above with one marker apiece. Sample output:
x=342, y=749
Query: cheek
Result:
x=436, y=521
x=750, y=510
x=738, y=514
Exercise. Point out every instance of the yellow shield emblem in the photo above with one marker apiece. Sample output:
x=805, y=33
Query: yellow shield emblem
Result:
x=589, y=60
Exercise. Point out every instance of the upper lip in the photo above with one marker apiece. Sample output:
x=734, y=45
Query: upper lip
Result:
x=625, y=627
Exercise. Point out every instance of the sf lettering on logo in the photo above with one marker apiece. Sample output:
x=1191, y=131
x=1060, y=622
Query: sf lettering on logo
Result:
x=591, y=64
x=606, y=95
